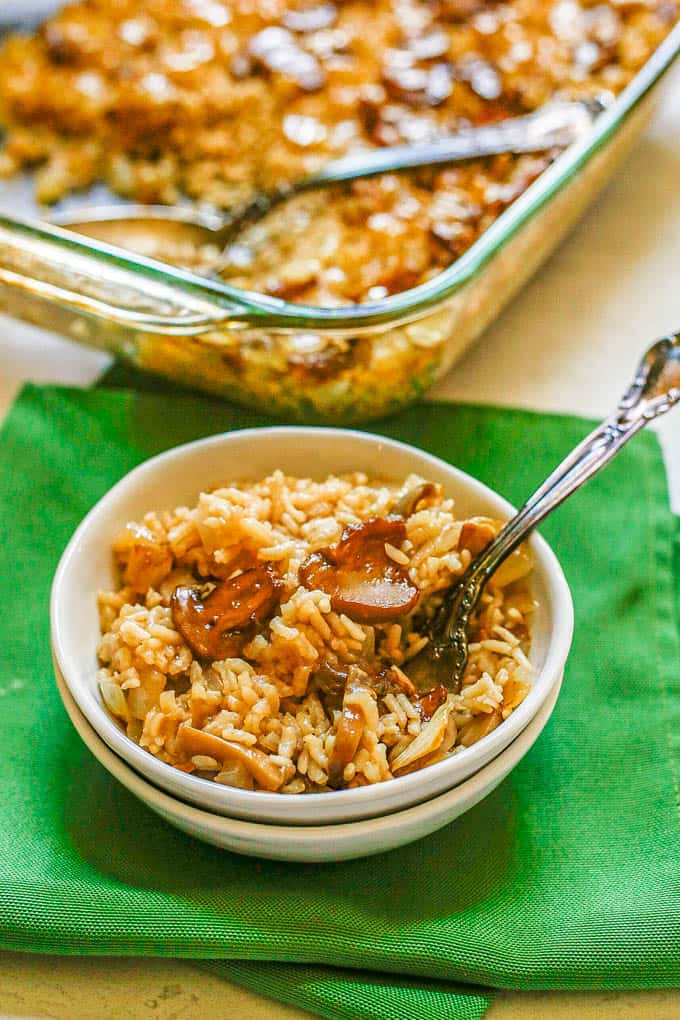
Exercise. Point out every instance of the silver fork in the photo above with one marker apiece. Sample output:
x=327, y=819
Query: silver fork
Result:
x=654, y=391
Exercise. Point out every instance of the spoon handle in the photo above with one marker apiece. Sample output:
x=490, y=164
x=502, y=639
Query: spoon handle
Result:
x=556, y=124
x=654, y=390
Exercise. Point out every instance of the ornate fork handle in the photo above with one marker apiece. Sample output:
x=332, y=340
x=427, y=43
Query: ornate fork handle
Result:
x=654, y=391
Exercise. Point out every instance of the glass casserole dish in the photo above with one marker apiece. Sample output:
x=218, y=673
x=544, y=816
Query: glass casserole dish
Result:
x=303, y=362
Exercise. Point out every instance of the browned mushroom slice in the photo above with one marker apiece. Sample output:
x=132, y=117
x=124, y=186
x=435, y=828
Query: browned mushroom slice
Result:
x=264, y=771
x=477, y=532
x=243, y=560
x=392, y=681
x=359, y=708
x=330, y=682
x=350, y=730
x=213, y=628
x=360, y=577
x=409, y=499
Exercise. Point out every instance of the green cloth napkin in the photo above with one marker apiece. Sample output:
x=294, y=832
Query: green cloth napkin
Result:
x=567, y=876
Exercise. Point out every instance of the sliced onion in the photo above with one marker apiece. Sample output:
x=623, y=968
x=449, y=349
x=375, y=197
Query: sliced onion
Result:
x=479, y=726
x=114, y=699
x=428, y=740
x=517, y=566
x=145, y=559
x=266, y=773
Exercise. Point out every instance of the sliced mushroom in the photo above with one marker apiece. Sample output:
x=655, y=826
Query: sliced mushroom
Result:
x=450, y=736
x=144, y=559
x=265, y=772
x=214, y=628
x=408, y=500
x=243, y=560
x=360, y=577
x=514, y=693
x=349, y=733
x=477, y=532
x=331, y=683
x=359, y=708
x=428, y=740
x=392, y=681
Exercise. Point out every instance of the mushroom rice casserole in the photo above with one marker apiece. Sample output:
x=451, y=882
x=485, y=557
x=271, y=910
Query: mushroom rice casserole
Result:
x=262, y=638
x=219, y=99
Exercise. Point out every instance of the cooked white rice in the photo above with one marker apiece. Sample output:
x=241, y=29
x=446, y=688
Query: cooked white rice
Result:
x=263, y=718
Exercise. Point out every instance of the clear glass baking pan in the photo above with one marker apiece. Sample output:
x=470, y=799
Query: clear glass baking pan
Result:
x=240, y=345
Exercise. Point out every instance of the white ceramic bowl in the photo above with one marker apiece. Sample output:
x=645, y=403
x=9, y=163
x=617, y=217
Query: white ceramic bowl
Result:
x=315, y=843
x=175, y=478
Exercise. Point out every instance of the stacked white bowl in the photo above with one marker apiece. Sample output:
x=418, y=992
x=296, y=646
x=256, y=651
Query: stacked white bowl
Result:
x=308, y=827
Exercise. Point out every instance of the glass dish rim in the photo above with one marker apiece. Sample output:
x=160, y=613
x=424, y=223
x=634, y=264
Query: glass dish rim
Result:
x=249, y=308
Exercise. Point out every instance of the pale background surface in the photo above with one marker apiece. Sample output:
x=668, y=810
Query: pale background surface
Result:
x=568, y=343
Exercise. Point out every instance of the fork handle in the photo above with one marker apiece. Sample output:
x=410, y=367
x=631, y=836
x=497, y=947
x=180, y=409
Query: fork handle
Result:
x=654, y=390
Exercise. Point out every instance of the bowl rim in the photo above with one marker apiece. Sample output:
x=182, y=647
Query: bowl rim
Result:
x=308, y=835
x=557, y=648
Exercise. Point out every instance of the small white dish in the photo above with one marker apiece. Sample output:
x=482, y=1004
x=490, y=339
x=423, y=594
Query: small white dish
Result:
x=175, y=478
x=315, y=843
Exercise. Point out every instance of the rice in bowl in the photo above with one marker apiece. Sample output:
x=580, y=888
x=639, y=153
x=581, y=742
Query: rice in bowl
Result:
x=262, y=638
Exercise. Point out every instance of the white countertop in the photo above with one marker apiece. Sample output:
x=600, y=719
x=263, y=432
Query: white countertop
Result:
x=569, y=342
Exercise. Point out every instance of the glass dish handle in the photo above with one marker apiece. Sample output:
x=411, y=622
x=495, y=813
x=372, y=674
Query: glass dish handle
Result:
x=48, y=264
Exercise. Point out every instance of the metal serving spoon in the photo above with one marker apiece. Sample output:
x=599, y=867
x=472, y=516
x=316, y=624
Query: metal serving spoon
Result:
x=146, y=227
x=654, y=390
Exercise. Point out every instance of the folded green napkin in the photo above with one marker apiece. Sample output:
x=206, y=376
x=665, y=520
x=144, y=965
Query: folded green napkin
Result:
x=565, y=877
